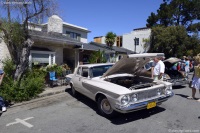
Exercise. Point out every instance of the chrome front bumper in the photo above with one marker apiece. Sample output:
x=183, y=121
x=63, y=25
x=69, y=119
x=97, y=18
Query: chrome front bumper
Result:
x=178, y=82
x=141, y=105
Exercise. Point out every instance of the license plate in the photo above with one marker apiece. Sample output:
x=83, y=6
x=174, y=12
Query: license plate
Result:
x=151, y=105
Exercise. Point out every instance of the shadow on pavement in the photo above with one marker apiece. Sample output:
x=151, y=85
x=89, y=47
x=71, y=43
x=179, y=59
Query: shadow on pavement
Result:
x=119, y=118
x=178, y=87
x=133, y=116
x=184, y=96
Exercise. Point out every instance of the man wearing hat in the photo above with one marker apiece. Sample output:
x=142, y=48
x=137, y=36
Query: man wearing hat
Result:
x=2, y=104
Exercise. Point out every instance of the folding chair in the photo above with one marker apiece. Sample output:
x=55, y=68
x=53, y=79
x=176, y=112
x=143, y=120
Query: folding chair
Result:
x=52, y=78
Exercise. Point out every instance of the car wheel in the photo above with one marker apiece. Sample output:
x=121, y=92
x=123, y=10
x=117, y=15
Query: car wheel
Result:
x=104, y=107
x=74, y=92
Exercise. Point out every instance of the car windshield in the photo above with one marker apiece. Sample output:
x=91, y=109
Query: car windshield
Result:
x=99, y=70
x=149, y=65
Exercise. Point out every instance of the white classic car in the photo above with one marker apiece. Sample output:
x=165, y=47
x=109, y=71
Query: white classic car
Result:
x=119, y=87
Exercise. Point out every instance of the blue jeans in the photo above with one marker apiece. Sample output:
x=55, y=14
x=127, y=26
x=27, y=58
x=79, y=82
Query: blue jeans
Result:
x=2, y=104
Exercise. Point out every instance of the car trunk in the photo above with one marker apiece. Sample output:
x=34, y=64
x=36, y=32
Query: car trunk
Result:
x=174, y=74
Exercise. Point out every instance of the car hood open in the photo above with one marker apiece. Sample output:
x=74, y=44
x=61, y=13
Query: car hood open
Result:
x=132, y=64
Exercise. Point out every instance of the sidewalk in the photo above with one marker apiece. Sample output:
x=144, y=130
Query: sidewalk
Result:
x=55, y=90
x=47, y=92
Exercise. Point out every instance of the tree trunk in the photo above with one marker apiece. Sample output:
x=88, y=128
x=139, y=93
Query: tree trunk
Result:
x=24, y=60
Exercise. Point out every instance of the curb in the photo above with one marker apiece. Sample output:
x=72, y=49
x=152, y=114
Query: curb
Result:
x=39, y=98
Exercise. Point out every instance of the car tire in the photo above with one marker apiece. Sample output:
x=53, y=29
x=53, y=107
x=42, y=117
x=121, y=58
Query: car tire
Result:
x=74, y=92
x=105, y=108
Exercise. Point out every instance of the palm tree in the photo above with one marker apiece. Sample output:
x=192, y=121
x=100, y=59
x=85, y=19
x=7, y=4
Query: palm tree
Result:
x=110, y=39
x=97, y=57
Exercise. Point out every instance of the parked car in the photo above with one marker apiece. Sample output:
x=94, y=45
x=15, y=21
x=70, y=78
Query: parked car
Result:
x=118, y=87
x=177, y=78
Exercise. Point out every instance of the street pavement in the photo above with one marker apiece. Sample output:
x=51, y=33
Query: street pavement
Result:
x=62, y=113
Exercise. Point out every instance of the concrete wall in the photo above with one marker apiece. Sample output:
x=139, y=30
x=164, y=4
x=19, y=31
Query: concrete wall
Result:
x=35, y=27
x=4, y=52
x=55, y=24
x=58, y=54
x=128, y=40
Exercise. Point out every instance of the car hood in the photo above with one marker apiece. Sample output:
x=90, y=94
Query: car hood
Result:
x=132, y=64
x=171, y=61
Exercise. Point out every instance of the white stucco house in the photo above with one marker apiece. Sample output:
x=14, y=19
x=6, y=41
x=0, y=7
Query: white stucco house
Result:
x=127, y=40
x=140, y=33
x=54, y=42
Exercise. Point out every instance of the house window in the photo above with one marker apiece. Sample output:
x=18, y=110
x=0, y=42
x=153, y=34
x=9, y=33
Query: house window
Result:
x=41, y=58
x=73, y=35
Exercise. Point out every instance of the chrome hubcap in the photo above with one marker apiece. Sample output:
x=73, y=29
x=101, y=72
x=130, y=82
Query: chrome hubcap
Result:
x=105, y=106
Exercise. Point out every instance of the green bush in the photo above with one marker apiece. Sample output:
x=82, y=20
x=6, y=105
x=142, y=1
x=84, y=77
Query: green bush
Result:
x=54, y=67
x=31, y=84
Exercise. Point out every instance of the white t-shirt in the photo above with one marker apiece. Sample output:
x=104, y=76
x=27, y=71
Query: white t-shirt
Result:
x=159, y=68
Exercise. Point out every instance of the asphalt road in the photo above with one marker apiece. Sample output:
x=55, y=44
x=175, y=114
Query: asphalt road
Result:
x=62, y=113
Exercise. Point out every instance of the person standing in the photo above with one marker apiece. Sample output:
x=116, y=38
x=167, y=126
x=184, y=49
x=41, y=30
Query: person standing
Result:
x=195, y=85
x=187, y=67
x=2, y=104
x=159, y=68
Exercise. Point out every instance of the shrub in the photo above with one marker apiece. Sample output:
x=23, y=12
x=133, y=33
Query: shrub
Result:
x=54, y=67
x=31, y=84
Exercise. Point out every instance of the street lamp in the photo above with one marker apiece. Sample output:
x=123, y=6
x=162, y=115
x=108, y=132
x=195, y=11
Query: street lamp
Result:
x=136, y=41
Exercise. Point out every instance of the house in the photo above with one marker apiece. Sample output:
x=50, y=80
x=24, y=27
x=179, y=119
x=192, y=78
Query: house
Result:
x=54, y=42
x=137, y=40
x=62, y=43
x=112, y=54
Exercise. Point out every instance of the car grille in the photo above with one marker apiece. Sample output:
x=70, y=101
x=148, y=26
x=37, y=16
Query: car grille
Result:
x=149, y=94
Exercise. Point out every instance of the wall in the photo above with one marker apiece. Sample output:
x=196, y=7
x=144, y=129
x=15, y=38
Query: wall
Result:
x=128, y=40
x=55, y=24
x=4, y=53
x=83, y=34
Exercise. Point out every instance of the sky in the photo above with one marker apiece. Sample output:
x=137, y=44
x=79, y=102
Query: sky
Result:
x=102, y=16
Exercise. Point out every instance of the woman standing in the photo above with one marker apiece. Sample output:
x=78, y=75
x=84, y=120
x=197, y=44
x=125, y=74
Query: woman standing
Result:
x=196, y=77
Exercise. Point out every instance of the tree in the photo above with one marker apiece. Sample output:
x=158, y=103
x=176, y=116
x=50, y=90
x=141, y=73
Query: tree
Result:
x=146, y=43
x=172, y=40
x=97, y=57
x=15, y=30
x=110, y=39
x=177, y=12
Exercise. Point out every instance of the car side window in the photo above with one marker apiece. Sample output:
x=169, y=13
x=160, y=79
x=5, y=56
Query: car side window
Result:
x=85, y=72
x=79, y=71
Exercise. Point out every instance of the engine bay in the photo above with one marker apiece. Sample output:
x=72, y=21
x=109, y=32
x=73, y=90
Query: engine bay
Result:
x=132, y=83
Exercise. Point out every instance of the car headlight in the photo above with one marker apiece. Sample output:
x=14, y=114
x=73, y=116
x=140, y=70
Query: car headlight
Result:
x=134, y=97
x=159, y=92
x=125, y=100
x=168, y=90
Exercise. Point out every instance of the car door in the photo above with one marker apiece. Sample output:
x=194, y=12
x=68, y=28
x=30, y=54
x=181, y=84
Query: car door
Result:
x=80, y=78
x=77, y=80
